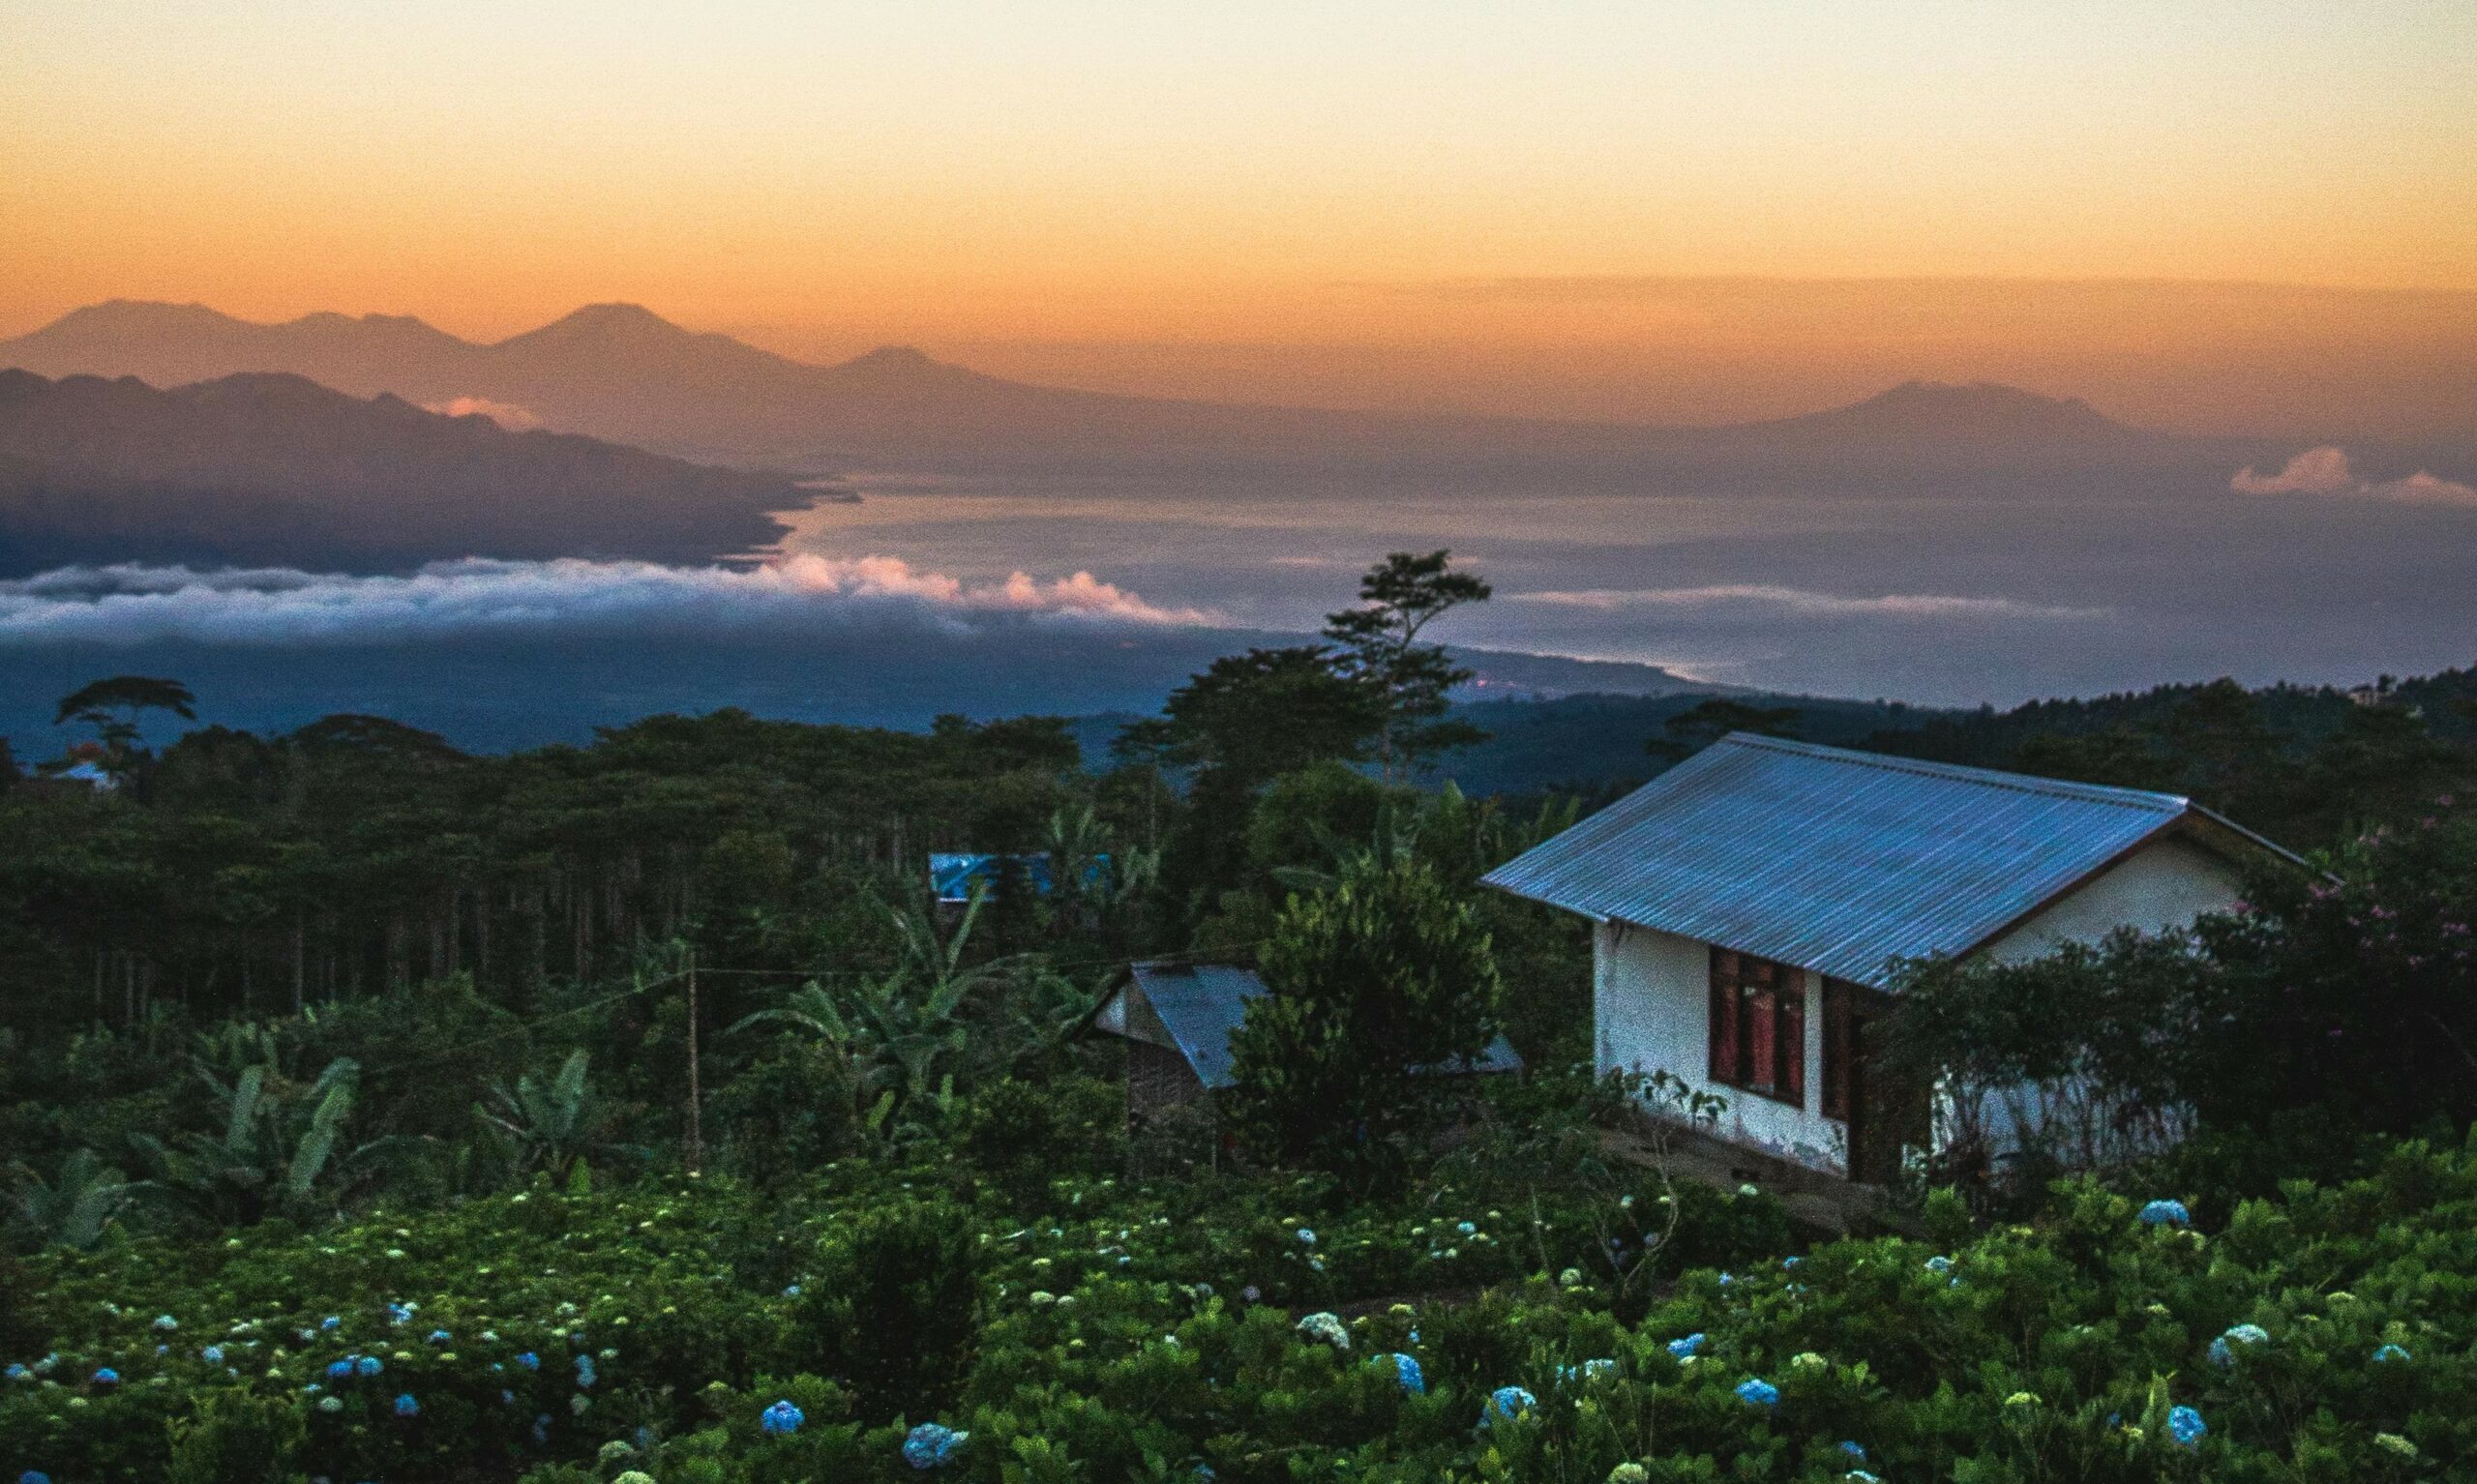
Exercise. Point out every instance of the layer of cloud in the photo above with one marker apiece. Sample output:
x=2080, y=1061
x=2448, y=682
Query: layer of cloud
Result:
x=2325, y=471
x=506, y=414
x=134, y=603
x=1805, y=603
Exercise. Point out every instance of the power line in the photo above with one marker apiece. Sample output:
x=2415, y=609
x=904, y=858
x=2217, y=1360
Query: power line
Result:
x=1113, y=959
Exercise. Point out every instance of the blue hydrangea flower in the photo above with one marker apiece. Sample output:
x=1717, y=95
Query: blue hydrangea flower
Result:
x=1939, y=1265
x=1855, y=1449
x=2166, y=1213
x=34, y=1476
x=1791, y=1261
x=106, y=1376
x=1506, y=1404
x=1307, y=1237
x=330, y=1322
x=1406, y=1371
x=2223, y=1351
x=397, y=1313
x=1588, y=1371
x=584, y=1372
x=164, y=1323
x=1465, y=1227
x=339, y=1370
x=367, y=1365
x=439, y=1337
x=1687, y=1344
x=780, y=1419
x=407, y=1406
x=2390, y=1353
x=213, y=1354
x=530, y=1360
x=542, y=1429
x=16, y=1371
x=932, y=1446
x=1755, y=1391
x=792, y=1292
x=2186, y=1425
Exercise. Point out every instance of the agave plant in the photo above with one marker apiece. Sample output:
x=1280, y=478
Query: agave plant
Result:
x=72, y=1208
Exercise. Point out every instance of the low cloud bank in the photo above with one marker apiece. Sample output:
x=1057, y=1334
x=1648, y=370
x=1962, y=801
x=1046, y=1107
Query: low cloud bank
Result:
x=1806, y=602
x=133, y=604
x=506, y=414
x=2325, y=471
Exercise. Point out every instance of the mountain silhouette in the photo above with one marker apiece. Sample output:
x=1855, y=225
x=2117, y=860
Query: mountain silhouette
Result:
x=622, y=371
x=1979, y=412
x=272, y=468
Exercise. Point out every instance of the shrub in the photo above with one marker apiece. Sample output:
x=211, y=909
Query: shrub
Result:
x=1383, y=975
x=234, y=1435
x=893, y=1306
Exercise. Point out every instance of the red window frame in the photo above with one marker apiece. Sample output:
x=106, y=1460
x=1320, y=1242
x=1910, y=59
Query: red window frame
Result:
x=1757, y=1039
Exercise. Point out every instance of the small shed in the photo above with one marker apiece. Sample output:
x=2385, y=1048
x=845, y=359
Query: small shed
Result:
x=83, y=779
x=953, y=876
x=1177, y=1021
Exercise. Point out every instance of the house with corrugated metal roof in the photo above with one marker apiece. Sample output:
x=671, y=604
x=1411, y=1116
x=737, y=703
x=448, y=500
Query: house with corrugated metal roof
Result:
x=1750, y=908
x=1176, y=1020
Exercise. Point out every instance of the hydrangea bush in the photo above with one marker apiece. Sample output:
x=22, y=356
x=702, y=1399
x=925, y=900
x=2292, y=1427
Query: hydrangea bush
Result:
x=697, y=1331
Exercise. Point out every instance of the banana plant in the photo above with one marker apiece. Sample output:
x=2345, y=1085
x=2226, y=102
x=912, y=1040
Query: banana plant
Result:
x=72, y=1209
x=274, y=1150
x=1087, y=865
x=553, y=1125
x=902, y=1033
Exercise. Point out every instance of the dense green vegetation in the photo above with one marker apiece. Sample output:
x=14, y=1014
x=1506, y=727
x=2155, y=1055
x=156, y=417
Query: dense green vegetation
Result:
x=628, y=1109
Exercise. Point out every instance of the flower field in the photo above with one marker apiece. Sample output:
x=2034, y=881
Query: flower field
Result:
x=891, y=1321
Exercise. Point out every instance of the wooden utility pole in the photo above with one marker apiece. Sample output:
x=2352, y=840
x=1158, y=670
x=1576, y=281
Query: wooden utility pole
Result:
x=695, y=1129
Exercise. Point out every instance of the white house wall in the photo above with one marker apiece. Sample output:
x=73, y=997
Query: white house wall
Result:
x=1651, y=1005
x=2165, y=885
x=1651, y=1013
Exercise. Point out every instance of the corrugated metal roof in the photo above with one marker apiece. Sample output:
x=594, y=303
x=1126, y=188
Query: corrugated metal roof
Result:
x=1202, y=1003
x=1833, y=860
x=953, y=875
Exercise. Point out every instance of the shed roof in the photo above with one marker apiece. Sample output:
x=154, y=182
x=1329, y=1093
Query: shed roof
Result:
x=953, y=875
x=1843, y=862
x=1200, y=1004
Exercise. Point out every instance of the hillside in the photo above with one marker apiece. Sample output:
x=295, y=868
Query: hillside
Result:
x=618, y=371
x=273, y=470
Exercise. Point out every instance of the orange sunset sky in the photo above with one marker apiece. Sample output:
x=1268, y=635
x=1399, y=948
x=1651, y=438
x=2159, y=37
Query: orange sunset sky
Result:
x=2230, y=215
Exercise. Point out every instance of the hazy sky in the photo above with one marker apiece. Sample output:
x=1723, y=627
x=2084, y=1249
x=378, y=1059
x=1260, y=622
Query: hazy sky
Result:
x=1247, y=175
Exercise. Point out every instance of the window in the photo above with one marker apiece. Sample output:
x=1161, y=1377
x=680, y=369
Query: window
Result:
x=1758, y=1027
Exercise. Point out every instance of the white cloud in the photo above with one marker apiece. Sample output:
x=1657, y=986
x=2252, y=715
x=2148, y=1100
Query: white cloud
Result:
x=1804, y=602
x=133, y=604
x=2427, y=488
x=2325, y=470
x=506, y=414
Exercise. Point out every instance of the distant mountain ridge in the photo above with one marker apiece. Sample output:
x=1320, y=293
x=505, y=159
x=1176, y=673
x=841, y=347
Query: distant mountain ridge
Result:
x=621, y=372
x=272, y=468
